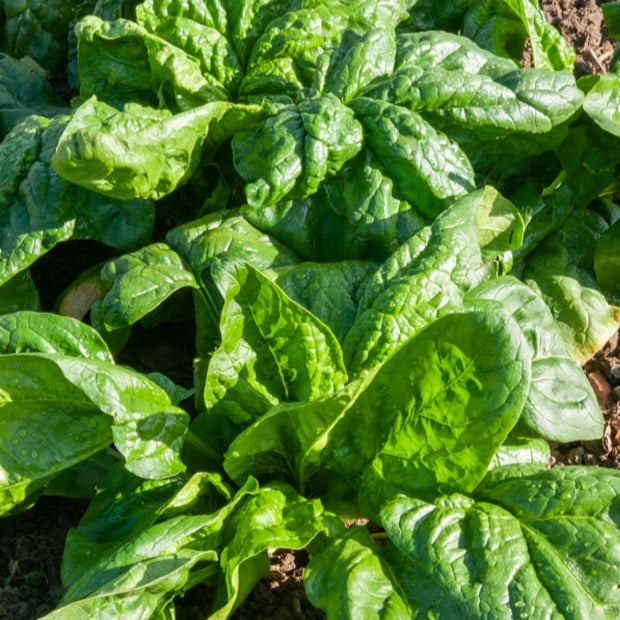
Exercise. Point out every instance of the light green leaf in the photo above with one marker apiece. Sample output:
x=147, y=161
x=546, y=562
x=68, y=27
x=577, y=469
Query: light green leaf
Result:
x=274, y=518
x=121, y=62
x=226, y=233
x=583, y=315
x=433, y=415
x=522, y=450
x=125, y=507
x=602, y=103
x=139, y=282
x=47, y=426
x=534, y=542
x=424, y=279
x=43, y=332
x=328, y=290
x=141, y=152
x=561, y=405
x=272, y=350
x=349, y=580
x=38, y=209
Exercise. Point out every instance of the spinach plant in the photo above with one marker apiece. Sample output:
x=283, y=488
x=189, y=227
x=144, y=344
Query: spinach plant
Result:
x=394, y=247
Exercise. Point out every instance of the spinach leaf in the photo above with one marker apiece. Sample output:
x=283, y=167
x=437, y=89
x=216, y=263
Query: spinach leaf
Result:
x=24, y=91
x=141, y=152
x=501, y=553
x=19, y=293
x=38, y=208
x=272, y=349
x=561, y=405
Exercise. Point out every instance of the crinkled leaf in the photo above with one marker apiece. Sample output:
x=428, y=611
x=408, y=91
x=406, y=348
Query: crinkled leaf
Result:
x=295, y=149
x=535, y=542
x=427, y=168
x=200, y=30
x=328, y=290
x=139, y=282
x=142, y=152
x=38, y=208
x=273, y=350
x=37, y=29
x=423, y=279
x=433, y=415
x=349, y=70
x=284, y=58
x=226, y=233
x=121, y=62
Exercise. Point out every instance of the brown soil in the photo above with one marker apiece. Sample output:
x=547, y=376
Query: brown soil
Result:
x=30, y=550
x=31, y=544
x=581, y=23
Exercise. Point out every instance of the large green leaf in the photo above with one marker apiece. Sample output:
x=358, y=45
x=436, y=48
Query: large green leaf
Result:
x=38, y=208
x=125, y=507
x=501, y=26
x=427, y=168
x=121, y=62
x=274, y=518
x=602, y=103
x=295, y=149
x=37, y=29
x=328, y=290
x=535, y=542
x=583, y=315
x=423, y=279
x=561, y=405
x=227, y=234
x=348, y=579
x=47, y=425
x=142, y=574
x=273, y=350
x=438, y=409
x=24, y=91
x=43, y=332
x=142, y=152
x=201, y=30
x=284, y=58
x=139, y=282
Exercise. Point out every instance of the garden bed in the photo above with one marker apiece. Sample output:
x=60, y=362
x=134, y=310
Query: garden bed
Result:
x=31, y=544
